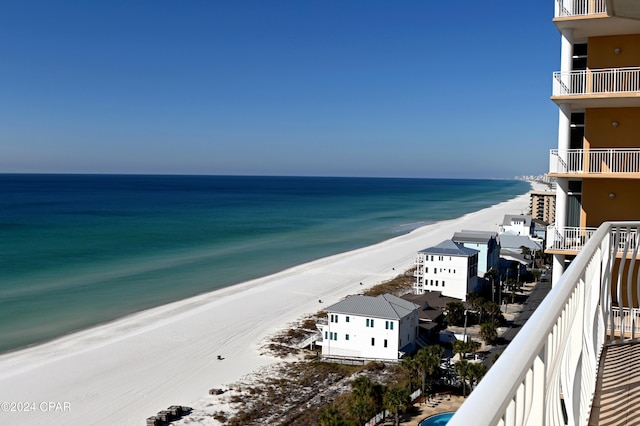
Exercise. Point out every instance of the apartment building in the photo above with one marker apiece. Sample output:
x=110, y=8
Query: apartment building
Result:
x=543, y=206
x=597, y=90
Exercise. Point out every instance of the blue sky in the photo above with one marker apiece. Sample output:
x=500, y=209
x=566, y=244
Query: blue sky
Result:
x=321, y=88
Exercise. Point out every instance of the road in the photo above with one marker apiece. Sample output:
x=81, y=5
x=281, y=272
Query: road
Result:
x=538, y=293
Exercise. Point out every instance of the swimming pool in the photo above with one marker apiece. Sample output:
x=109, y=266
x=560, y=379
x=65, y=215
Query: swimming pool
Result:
x=437, y=420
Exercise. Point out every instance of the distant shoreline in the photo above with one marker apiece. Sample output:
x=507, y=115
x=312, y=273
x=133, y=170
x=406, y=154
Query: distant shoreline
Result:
x=125, y=370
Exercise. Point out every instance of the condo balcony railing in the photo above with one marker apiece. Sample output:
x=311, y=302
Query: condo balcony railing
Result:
x=552, y=363
x=571, y=238
x=568, y=238
x=595, y=161
x=598, y=81
x=566, y=8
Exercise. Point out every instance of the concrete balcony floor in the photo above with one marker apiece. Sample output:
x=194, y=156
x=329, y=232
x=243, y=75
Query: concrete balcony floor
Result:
x=617, y=396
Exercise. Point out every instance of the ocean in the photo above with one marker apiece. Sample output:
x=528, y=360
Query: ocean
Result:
x=80, y=250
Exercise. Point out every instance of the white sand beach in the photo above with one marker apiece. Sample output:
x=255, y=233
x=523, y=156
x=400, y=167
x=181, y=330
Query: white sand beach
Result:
x=125, y=371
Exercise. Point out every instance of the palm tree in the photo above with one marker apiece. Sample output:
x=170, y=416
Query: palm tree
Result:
x=408, y=364
x=462, y=368
x=428, y=362
x=362, y=406
x=330, y=416
x=473, y=346
x=361, y=409
x=477, y=371
x=460, y=348
x=489, y=333
x=396, y=400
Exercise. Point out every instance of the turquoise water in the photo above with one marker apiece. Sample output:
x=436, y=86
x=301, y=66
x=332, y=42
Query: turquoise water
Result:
x=79, y=250
x=437, y=420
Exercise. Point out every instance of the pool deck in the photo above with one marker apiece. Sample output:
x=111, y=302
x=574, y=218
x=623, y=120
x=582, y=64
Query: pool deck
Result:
x=420, y=411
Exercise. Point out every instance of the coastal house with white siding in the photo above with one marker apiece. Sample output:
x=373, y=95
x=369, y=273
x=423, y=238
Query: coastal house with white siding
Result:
x=487, y=244
x=384, y=327
x=518, y=224
x=449, y=267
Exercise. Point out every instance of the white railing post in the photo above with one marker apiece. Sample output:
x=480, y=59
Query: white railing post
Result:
x=557, y=351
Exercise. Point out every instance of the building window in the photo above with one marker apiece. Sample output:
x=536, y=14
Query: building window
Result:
x=373, y=341
x=369, y=322
x=385, y=343
x=346, y=337
x=391, y=325
x=347, y=319
x=326, y=335
x=426, y=270
x=436, y=283
x=442, y=283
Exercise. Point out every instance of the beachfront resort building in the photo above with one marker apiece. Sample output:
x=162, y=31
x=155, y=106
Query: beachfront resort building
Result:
x=448, y=267
x=543, y=206
x=384, y=327
x=597, y=90
x=575, y=361
x=486, y=242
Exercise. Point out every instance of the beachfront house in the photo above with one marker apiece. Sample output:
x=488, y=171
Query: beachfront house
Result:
x=486, y=242
x=371, y=328
x=513, y=242
x=449, y=267
x=518, y=224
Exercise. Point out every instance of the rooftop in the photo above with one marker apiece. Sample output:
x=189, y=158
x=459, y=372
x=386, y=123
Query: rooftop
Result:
x=450, y=248
x=383, y=306
x=466, y=236
x=432, y=304
x=509, y=218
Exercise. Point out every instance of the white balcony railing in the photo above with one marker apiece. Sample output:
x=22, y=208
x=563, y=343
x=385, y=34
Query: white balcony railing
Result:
x=571, y=238
x=552, y=363
x=568, y=238
x=595, y=161
x=591, y=82
x=579, y=7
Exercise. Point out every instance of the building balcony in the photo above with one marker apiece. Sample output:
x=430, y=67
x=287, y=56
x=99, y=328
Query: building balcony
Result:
x=568, y=239
x=612, y=162
x=609, y=87
x=571, y=8
x=559, y=363
x=571, y=240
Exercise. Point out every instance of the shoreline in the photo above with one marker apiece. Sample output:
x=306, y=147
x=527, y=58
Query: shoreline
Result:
x=127, y=370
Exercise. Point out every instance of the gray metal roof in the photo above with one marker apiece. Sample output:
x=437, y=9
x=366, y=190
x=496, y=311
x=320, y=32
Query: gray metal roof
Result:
x=450, y=248
x=382, y=306
x=509, y=217
x=508, y=241
x=466, y=236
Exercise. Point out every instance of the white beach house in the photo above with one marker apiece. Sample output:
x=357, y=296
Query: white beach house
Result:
x=381, y=328
x=486, y=242
x=518, y=224
x=449, y=267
